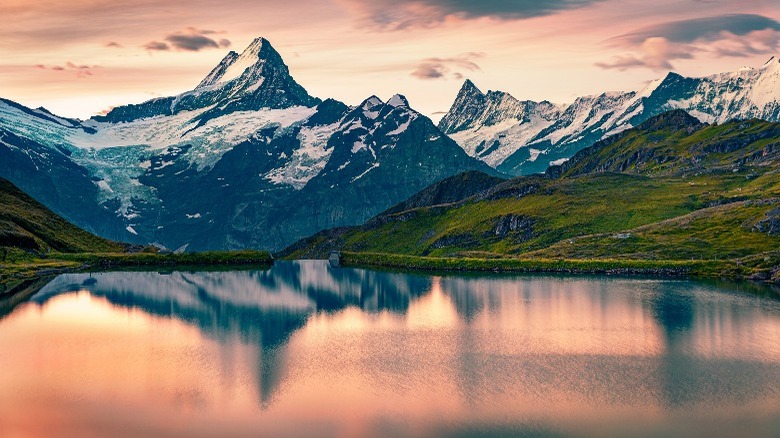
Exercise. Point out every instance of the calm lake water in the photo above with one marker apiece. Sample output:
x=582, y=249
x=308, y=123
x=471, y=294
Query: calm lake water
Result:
x=306, y=350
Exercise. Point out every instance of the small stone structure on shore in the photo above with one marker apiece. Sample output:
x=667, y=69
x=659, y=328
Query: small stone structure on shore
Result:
x=335, y=259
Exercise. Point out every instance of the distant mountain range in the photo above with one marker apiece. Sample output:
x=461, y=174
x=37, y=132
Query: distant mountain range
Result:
x=246, y=159
x=524, y=137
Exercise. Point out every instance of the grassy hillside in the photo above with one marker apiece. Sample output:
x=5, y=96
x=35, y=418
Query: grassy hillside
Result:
x=672, y=189
x=27, y=225
x=675, y=143
x=36, y=242
x=449, y=191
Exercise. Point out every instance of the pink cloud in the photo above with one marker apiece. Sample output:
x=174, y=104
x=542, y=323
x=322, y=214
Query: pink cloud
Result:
x=440, y=68
x=733, y=35
x=81, y=70
x=655, y=53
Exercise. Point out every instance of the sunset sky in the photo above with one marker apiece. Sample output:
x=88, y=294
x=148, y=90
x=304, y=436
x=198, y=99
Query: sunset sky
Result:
x=82, y=57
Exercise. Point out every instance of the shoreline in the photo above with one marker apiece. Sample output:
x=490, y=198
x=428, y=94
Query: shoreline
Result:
x=696, y=269
x=63, y=263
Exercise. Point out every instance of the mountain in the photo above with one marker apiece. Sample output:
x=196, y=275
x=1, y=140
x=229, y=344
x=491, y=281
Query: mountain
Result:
x=247, y=159
x=671, y=188
x=26, y=224
x=447, y=191
x=254, y=80
x=524, y=137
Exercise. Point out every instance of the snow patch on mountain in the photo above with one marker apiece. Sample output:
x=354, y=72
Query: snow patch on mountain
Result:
x=307, y=161
x=44, y=130
x=246, y=60
x=482, y=142
x=372, y=167
x=161, y=132
x=398, y=101
x=401, y=128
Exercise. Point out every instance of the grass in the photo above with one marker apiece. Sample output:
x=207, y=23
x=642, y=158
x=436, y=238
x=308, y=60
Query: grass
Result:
x=755, y=267
x=25, y=223
x=66, y=262
x=559, y=210
x=245, y=257
x=720, y=232
x=602, y=266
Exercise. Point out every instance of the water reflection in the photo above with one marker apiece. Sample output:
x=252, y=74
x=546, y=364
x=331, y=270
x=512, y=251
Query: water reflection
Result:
x=262, y=308
x=363, y=353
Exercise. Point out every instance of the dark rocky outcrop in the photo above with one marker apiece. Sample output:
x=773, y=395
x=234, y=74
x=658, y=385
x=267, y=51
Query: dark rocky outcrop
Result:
x=518, y=226
x=770, y=224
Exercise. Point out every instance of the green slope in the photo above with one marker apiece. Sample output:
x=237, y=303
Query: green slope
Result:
x=27, y=225
x=675, y=143
x=35, y=242
x=671, y=189
x=449, y=191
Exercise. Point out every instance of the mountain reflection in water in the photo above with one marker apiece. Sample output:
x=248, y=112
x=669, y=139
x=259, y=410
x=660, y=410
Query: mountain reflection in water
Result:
x=359, y=352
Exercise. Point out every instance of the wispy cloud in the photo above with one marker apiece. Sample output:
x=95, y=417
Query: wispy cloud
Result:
x=156, y=46
x=189, y=40
x=402, y=14
x=443, y=68
x=702, y=29
x=655, y=53
x=656, y=47
x=80, y=70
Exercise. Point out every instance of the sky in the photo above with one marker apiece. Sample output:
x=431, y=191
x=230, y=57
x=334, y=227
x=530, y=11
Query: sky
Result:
x=82, y=57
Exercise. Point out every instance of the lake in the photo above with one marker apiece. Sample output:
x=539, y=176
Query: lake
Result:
x=303, y=349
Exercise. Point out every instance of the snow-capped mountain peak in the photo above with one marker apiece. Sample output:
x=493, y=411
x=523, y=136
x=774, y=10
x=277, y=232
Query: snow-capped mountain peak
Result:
x=368, y=109
x=219, y=71
x=374, y=110
x=469, y=89
x=493, y=108
x=771, y=68
x=234, y=65
x=255, y=48
x=398, y=100
x=371, y=102
x=256, y=79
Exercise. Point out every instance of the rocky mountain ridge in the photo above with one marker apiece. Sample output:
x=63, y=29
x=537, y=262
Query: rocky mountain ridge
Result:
x=523, y=137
